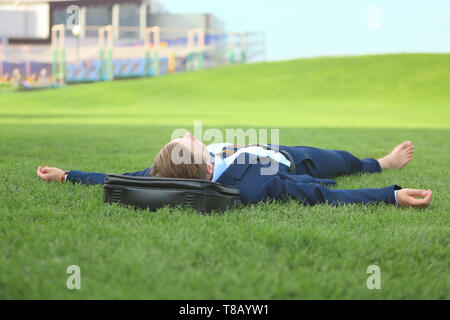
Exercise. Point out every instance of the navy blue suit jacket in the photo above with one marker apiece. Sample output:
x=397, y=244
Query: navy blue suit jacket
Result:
x=245, y=173
x=255, y=187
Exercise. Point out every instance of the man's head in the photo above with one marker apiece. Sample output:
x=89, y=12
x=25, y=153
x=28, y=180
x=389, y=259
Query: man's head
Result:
x=184, y=157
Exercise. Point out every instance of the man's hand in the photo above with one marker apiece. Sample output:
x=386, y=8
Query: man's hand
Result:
x=50, y=174
x=407, y=198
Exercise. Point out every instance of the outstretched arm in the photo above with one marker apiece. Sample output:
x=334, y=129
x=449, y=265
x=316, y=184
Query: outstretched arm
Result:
x=312, y=193
x=50, y=174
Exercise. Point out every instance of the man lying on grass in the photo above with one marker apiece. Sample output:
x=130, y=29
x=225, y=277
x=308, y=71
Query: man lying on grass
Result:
x=301, y=172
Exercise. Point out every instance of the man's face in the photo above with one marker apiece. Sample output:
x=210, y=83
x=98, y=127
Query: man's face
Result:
x=197, y=147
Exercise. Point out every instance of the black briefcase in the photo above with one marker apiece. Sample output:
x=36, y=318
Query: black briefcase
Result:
x=153, y=193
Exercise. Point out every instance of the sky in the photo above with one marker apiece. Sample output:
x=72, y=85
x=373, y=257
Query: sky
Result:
x=298, y=28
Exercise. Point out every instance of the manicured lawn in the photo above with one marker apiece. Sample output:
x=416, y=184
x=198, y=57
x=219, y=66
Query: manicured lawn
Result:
x=365, y=105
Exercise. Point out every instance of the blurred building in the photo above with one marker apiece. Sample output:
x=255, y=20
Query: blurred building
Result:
x=83, y=50
x=30, y=21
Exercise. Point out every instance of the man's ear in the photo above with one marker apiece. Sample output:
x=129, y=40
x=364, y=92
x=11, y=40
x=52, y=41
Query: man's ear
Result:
x=209, y=170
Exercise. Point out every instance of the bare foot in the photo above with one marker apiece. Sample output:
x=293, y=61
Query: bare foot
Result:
x=399, y=157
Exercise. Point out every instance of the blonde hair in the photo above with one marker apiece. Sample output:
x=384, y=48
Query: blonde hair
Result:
x=164, y=165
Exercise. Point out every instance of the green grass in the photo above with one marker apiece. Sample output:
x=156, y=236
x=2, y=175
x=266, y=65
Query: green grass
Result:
x=365, y=105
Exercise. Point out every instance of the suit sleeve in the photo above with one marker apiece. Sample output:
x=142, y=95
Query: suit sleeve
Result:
x=83, y=177
x=313, y=193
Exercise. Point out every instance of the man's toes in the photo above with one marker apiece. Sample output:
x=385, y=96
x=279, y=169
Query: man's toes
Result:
x=405, y=144
x=401, y=146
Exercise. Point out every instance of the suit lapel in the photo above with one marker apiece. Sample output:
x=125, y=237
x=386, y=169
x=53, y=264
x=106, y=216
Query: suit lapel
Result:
x=236, y=170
